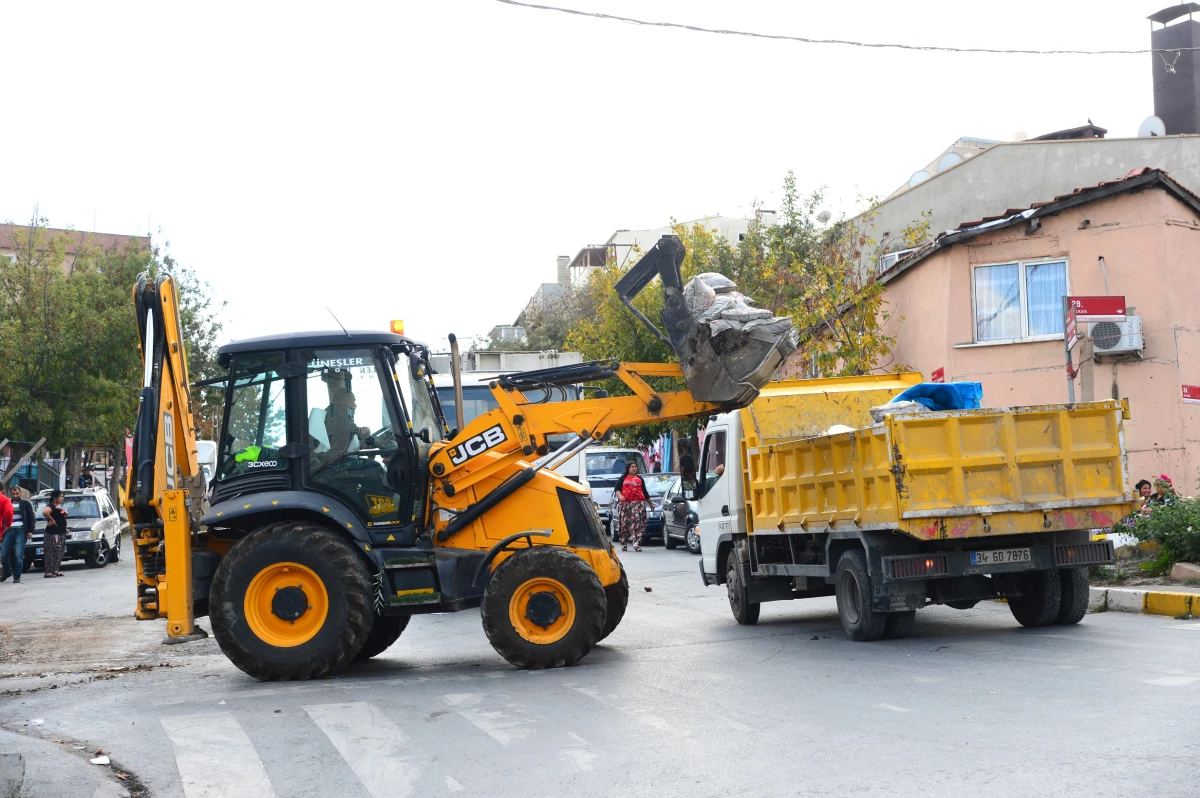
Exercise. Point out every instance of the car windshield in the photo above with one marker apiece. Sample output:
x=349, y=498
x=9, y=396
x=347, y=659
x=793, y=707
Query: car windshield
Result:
x=659, y=484
x=76, y=506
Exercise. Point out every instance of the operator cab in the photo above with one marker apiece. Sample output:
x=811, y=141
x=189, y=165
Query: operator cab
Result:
x=348, y=416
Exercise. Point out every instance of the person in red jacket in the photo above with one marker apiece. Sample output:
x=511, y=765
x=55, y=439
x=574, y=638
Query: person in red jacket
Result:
x=6, y=514
x=633, y=500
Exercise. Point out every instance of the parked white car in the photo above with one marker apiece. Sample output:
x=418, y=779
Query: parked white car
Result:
x=93, y=524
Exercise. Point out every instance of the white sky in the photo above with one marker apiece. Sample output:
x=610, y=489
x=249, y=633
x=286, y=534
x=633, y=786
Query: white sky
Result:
x=428, y=160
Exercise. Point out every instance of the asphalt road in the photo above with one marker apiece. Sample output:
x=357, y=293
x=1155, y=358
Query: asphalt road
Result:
x=679, y=701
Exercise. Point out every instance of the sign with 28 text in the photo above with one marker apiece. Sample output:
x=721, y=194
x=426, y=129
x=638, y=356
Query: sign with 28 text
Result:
x=1096, y=308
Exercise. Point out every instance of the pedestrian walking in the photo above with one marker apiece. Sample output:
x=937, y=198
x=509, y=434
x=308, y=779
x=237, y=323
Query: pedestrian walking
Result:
x=20, y=532
x=633, y=501
x=55, y=538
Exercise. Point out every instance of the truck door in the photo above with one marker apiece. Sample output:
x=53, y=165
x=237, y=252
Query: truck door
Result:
x=720, y=499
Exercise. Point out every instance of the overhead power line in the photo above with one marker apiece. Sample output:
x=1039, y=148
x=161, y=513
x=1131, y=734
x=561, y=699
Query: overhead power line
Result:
x=844, y=42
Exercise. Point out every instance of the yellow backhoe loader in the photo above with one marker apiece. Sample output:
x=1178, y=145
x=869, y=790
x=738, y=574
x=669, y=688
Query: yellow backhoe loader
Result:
x=344, y=503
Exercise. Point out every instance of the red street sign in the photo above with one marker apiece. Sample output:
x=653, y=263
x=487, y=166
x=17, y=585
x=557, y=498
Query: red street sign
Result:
x=1072, y=337
x=1191, y=394
x=939, y=375
x=1097, y=308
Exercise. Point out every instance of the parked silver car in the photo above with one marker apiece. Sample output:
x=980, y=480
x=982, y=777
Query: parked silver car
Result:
x=680, y=520
x=93, y=528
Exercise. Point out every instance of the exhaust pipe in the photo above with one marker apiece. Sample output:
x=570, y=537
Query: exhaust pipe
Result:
x=456, y=370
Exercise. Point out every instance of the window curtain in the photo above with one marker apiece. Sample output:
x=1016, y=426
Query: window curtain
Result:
x=998, y=302
x=1046, y=285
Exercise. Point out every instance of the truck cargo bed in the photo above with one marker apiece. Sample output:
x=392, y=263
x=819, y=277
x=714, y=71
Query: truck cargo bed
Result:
x=947, y=475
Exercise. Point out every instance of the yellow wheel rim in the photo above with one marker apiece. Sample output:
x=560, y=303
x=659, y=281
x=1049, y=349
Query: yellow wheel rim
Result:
x=286, y=604
x=542, y=610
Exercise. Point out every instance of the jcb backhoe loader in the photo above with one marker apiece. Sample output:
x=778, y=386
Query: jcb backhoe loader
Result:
x=343, y=503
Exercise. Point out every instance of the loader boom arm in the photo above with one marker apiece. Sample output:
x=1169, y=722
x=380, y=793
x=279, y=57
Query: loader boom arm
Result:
x=164, y=461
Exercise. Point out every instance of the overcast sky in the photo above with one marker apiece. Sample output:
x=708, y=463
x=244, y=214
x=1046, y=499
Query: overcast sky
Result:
x=428, y=160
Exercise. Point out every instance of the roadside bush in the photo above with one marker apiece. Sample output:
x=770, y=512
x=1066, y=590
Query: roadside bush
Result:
x=1175, y=527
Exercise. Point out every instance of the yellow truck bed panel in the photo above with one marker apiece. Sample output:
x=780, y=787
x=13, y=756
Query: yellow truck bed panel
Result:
x=966, y=473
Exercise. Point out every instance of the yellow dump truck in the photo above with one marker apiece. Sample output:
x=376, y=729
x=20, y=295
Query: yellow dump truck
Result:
x=949, y=507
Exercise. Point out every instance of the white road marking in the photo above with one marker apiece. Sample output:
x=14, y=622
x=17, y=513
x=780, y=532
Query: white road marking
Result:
x=215, y=757
x=1195, y=627
x=376, y=749
x=579, y=753
x=1172, y=681
x=507, y=726
x=892, y=708
x=453, y=786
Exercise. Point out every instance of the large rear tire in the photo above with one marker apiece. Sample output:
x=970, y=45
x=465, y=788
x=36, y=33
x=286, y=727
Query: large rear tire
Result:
x=544, y=608
x=1074, y=603
x=1040, y=599
x=744, y=611
x=385, y=631
x=860, y=620
x=616, y=597
x=291, y=600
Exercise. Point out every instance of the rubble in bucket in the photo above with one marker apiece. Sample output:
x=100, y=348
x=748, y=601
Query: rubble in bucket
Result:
x=713, y=299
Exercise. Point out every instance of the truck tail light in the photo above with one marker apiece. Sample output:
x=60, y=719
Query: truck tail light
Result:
x=916, y=566
x=1094, y=552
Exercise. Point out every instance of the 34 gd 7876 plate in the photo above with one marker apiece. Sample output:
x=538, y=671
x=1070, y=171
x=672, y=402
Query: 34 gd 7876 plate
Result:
x=999, y=556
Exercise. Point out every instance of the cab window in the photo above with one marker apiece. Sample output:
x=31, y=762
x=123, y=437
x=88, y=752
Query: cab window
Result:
x=351, y=431
x=714, y=458
x=256, y=418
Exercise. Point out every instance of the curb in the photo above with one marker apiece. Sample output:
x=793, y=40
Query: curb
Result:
x=1151, y=602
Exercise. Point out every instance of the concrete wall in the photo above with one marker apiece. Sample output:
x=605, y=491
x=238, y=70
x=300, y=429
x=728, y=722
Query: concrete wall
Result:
x=1150, y=243
x=1018, y=174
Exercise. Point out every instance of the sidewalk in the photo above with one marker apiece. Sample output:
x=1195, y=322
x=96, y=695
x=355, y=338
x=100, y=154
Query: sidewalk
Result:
x=1169, y=600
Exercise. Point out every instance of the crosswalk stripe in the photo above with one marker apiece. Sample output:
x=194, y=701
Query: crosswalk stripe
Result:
x=376, y=749
x=215, y=757
x=498, y=716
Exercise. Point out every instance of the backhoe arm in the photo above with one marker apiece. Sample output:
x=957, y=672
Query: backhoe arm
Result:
x=164, y=456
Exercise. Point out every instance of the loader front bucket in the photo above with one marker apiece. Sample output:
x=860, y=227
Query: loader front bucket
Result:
x=728, y=368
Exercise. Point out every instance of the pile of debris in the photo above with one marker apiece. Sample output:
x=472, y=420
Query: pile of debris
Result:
x=713, y=299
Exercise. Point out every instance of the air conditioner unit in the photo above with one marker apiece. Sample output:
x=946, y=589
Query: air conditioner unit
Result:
x=1117, y=337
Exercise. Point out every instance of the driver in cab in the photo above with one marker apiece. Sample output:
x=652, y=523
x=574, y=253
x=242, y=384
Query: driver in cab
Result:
x=343, y=434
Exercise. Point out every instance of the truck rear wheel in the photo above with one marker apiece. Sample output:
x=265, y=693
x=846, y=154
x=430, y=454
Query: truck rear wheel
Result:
x=1074, y=603
x=1040, y=599
x=291, y=600
x=899, y=624
x=385, y=631
x=744, y=611
x=859, y=619
x=616, y=596
x=544, y=608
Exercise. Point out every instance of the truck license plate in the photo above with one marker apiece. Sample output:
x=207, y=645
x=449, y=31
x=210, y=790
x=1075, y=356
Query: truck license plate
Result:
x=999, y=556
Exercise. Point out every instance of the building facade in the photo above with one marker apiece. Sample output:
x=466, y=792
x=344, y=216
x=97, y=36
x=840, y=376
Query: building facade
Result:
x=984, y=303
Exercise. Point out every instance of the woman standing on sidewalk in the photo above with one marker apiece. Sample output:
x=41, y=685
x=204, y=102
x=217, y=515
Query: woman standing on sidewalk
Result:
x=634, y=500
x=56, y=534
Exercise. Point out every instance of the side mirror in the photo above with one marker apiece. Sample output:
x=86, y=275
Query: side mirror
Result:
x=426, y=435
x=600, y=393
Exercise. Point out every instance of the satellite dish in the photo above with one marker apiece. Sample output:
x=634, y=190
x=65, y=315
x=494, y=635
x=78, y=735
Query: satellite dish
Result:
x=918, y=177
x=948, y=160
x=824, y=216
x=1153, y=126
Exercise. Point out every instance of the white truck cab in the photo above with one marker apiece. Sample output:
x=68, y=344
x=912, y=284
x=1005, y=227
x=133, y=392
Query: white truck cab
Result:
x=721, y=508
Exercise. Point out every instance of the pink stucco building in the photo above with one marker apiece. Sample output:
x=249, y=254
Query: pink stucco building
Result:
x=984, y=303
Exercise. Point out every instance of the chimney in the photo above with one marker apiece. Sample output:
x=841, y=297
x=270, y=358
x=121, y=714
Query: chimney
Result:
x=1176, y=72
x=564, y=269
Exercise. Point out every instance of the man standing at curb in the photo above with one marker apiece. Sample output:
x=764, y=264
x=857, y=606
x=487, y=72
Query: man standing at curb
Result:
x=19, y=532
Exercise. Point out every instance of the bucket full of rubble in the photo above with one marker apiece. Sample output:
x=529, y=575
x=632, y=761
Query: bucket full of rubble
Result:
x=729, y=347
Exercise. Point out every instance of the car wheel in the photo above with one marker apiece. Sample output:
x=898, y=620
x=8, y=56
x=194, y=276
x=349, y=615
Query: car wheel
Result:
x=98, y=556
x=693, y=539
x=115, y=555
x=668, y=541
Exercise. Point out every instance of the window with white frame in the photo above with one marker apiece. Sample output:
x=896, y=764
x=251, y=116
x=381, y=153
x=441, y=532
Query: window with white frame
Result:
x=1019, y=301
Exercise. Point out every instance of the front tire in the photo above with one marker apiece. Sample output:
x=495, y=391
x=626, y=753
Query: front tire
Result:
x=384, y=633
x=744, y=611
x=291, y=601
x=99, y=555
x=1074, y=603
x=544, y=608
x=859, y=619
x=693, y=539
x=616, y=597
x=1040, y=599
x=115, y=553
x=668, y=541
